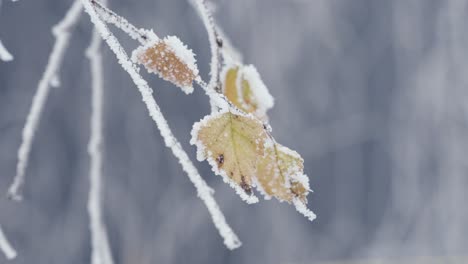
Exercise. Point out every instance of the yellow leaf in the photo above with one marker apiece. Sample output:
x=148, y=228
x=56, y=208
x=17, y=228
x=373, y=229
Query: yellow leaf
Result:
x=243, y=86
x=170, y=59
x=232, y=144
x=280, y=174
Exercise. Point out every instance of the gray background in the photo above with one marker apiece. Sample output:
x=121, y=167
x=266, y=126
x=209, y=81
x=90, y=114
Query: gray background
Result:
x=372, y=93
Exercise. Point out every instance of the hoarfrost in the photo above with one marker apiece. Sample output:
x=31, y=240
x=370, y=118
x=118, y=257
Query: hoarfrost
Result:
x=264, y=99
x=301, y=208
x=183, y=52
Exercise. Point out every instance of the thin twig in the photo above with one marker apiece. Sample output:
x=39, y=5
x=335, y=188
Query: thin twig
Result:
x=6, y=247
x=4, y=54
x=203, y=190
x=215, y=43
x=139, y=34
x=100, y=249
x=62, y=35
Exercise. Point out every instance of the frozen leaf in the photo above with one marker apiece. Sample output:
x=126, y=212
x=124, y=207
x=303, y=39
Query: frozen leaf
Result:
x=232, y=143
x=243, y=86
x=170, y=59
x=280, y=174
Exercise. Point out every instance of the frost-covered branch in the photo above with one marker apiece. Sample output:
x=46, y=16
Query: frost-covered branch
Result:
x=4, y=54
x=120, y=22
x=203, y=190
x=6, y=247
x=62, y=35
x=215, y=43
x=100, y=250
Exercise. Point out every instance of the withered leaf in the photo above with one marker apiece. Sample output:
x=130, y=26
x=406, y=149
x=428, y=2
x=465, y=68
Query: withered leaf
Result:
x=280, y=174
x=232, y=143
x=244, y=88
x=170, y=59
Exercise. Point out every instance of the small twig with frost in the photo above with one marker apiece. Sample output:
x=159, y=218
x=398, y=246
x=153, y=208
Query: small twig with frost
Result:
x=214, y=40
x=100, y=249
x=6, y=247
x=62, y=35
x=204, y=192
x=120, y=22
x=4, y=54
x=145, y=35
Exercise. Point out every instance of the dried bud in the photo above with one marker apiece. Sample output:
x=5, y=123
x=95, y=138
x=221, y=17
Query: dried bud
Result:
x=170, y=59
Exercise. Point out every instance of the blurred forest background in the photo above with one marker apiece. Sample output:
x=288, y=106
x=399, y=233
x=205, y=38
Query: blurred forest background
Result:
x=372, y=94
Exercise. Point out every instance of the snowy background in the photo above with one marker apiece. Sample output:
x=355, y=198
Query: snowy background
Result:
x=373, y=94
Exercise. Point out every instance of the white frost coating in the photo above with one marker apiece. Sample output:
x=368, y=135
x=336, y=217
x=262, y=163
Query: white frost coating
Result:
x=4, y=54
x=264, y=99
x=203, y=154
x=62, y=35
x=6, y=247
x=100, y=249
x=182, y=52
x=207, y=19
x=260, y=189
x=294, y=173
x=301, y=208
x=140, y=34
x=204, y=191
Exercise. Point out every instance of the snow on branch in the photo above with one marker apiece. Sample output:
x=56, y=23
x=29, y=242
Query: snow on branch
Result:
x=6, y=247
x=62, y=35
x=215, y=42
x=4, y=54
x=100, y=249
x=203, y=190
x=139, y=34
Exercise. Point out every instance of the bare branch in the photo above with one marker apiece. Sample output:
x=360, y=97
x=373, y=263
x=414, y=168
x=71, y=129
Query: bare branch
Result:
x=142, y=35
x=62, y=35
x=6, y=247
x=100, y=249
x=215, y=43
x=4, y=54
